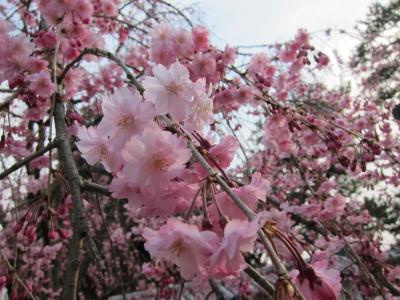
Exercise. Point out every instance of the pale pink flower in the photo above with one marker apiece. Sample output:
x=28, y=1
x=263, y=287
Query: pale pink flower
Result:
x=95, y=148
x=278, y=137
x=223, y=152
x=41, y=84
x=333, y=207
x=125, y=114
x=15, y=53
x=229, y=55
x=250, y=194
x=183, y=42
x=244, y=94
x=171, y=91
x=162, y=33
x=162, y=54
x=154, y=157
x=203, y=112
x=200, y=38
x=183, y=245
x=257, y=63
x=203, y=65
x=175, y=198
x=239, y=237
x=109, y=8
x=317, y=282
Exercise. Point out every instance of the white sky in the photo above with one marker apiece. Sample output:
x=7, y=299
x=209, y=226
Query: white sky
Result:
x=252, y=22
x=247, y=22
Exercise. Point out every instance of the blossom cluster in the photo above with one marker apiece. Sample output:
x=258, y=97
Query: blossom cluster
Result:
x=182, y=164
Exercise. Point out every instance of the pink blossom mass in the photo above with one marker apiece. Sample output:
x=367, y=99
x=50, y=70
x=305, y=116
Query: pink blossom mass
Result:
x=142, y=157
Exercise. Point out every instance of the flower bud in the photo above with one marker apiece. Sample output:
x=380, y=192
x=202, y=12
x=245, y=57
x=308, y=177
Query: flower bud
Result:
x=284, y=290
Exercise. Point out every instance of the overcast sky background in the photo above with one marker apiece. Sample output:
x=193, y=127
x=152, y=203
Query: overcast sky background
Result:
x=250, y=22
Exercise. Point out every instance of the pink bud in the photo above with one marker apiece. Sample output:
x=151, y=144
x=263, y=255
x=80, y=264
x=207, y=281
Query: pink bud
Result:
x=52, y=234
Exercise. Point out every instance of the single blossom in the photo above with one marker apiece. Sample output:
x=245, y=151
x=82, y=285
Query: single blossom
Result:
x=202, y=113
x=41, y=84
x=183, y=245
x=239, y=237
x=172, y=91
x=97, y=148
x=154, y=157
x=250, y=194
x=224, y=151
x=124, y=115
x=317, y=282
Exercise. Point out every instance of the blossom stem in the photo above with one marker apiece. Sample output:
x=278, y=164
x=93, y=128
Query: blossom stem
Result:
x=280, y=267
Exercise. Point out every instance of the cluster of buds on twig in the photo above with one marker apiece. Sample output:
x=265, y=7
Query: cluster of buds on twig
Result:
x=365, y=152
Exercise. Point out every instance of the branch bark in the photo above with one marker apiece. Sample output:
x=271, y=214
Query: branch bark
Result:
x=79, y=224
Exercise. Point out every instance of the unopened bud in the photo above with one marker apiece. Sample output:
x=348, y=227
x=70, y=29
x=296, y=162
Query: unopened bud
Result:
x=344, y=161
x=284, y=290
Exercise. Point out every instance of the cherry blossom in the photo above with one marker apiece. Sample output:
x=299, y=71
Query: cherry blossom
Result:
x=171, y=91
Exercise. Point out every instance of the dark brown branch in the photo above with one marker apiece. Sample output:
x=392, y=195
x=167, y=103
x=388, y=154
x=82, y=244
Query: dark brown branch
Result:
x=257, y=277
x=26, y=160
x=79, y=223
x=94, y=187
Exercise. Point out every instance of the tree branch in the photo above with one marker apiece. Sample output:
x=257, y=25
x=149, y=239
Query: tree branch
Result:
x=26, y=160
x=106, y=54
x=79, y=224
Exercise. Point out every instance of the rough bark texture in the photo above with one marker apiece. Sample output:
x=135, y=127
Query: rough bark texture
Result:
x=70, y=170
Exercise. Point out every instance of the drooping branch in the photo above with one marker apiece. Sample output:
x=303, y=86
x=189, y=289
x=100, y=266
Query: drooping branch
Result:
x=105, y=54
x=28, y=159
x=276, y=261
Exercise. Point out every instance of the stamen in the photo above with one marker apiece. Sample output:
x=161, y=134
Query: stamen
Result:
x=158, y=162
x=126, y=121
x=179, y=247
x=175, y=89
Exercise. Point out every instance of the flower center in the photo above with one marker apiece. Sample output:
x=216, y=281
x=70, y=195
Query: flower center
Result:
x=174, y=89
x=158, y=162
x=204, y=107
x=102, y=152
x=126, y=121
x=179, y=247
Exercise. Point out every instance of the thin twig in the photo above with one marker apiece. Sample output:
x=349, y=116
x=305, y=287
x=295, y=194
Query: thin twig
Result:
x=26, y=160
x=10, y=98
x=106, y=54
x=17, y=276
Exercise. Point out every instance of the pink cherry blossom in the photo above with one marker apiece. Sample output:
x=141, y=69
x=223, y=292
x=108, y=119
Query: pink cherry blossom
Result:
x=202, y=113
x=239, y=237
x=97, y=148
x=41, y=84
x=154, y=157
x=317, y=282
x=200, y=38
x=182, y=244
x=223, y=152
x=171, y=91
x=333, y=207
x=278, y=136
x=125, y=114
x=250, y=194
